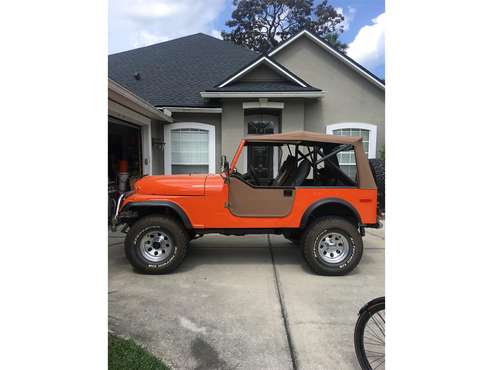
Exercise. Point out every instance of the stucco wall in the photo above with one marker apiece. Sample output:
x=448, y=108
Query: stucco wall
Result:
x=262, y=73
x=208, y=118
x=349, y=96
x=232, y=128
x=157, y=153
x=293, y=115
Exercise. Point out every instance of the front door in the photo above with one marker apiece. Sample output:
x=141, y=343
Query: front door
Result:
x=260, y=157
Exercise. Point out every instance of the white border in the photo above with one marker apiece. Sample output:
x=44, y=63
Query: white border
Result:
x=201, y=126
x=193, y=110
x=262, y=94
x=333, y=52
x=372, y=141
x=263, y=104
x=251, y=66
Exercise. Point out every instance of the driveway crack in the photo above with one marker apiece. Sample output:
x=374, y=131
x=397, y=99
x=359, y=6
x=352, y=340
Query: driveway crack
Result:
x=284, y=312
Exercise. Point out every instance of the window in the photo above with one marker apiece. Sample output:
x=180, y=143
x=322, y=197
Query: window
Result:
x=347, y=160
x=189, y=151
x=189, y=148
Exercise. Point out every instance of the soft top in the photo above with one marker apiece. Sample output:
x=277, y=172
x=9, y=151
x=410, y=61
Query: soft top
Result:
x=365, y=175
x=303, y=137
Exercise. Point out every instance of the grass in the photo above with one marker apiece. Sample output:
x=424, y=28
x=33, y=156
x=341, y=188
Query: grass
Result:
x=125, y=354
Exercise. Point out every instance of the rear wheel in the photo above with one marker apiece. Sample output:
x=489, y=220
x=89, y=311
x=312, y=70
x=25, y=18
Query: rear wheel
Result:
x=156, y=244
x=332, y=246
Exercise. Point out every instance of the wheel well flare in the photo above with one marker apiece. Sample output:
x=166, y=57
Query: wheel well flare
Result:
x=331, y=207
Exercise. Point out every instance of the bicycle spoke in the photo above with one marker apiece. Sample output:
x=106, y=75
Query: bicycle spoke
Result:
x=378, y=325
x=368, y=341
x=372, y=332
x=381, y=318
x=381, y=363
x=373, y=339
x=374, y=353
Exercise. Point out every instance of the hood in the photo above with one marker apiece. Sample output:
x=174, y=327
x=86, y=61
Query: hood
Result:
x=171, y=185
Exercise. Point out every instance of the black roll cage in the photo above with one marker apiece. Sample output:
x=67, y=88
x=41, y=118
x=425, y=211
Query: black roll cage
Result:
x=314, y=151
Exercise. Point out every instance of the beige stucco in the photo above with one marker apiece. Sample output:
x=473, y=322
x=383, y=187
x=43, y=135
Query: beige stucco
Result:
x=262, y=73
x=349, y=96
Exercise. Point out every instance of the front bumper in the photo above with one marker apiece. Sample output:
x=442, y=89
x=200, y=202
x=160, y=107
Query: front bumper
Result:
x=115, y=220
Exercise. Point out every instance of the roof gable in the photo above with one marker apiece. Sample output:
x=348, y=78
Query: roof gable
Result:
x=358, y=68
x=263, y=62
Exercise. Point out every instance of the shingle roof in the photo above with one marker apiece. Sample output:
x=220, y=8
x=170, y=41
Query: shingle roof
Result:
x=173, y=73
x=264, y=86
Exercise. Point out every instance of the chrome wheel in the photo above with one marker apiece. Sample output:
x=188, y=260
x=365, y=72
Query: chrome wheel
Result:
x=156, y=246
x=333, y=247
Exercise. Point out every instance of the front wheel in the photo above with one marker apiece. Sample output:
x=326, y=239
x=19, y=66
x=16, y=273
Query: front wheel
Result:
x=332, y=246
x=369, y=335
x=156, y=244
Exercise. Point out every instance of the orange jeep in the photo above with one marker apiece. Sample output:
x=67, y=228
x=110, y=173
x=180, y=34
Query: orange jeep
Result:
x=312, y=201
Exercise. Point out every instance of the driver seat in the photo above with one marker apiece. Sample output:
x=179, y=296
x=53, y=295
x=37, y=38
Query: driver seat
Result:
x=297, y=177
x=287, y=167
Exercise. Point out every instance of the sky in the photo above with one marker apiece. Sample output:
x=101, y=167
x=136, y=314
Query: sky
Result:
x=137, y=23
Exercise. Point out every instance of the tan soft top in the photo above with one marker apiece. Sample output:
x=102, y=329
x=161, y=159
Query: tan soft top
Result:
x=303, y=136
x=365, y=176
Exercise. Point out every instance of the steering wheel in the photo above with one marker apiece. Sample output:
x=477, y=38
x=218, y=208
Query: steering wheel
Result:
x=252, y=173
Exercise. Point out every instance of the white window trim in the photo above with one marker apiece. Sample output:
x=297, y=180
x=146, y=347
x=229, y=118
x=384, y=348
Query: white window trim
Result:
x=200, y=126
x=262, y=104
x=372, y=140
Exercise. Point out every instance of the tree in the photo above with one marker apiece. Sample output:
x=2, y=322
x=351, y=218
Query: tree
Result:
x=261, y=25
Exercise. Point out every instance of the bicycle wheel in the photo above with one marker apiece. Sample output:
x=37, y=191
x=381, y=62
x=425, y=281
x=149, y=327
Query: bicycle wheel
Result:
x=369, y=335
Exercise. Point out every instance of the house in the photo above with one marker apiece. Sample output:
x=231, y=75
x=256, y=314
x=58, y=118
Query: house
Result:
x=218, y=92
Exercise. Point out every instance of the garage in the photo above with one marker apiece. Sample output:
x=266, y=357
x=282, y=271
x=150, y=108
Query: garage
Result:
x=124, y=152
x=131, y=145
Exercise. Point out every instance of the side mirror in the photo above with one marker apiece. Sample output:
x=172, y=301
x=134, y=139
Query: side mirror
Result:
x=225, y=164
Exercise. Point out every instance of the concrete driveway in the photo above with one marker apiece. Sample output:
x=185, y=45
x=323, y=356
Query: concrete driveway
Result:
x=244, y=303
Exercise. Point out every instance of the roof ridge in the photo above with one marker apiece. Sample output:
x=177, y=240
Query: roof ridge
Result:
x=156, y=44
x=184, y=37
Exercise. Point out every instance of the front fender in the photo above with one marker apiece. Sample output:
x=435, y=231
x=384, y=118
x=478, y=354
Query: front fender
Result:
x=159, y=204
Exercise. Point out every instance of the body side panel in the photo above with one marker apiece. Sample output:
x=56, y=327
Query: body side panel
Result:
x=210, y=210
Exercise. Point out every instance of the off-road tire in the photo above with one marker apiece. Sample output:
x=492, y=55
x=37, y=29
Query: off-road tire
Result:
x=378, y=169
x=316, y=231
x=172, y=227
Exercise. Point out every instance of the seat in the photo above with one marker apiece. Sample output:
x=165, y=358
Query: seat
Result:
x=297, y=177
x=287, y=167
